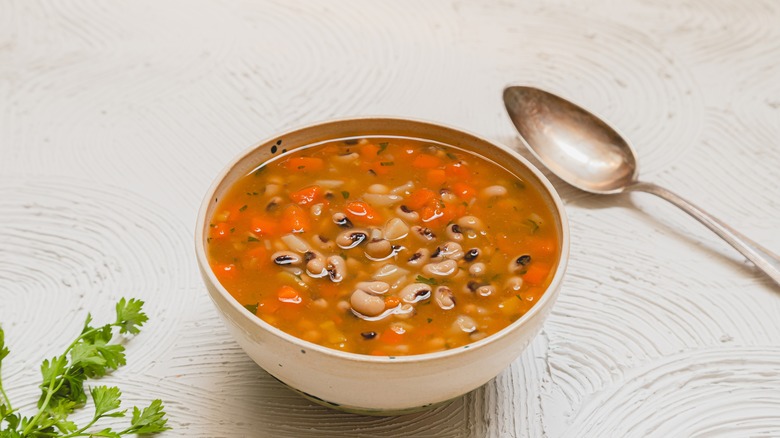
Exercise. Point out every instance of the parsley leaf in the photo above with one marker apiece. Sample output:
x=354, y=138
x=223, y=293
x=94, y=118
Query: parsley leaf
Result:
x=129, y=316
x=428, y=281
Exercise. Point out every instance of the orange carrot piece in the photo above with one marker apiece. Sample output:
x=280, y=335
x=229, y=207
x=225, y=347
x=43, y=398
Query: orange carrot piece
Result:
x=307, y=195
x=305, y=164
x=436, y=177
x=287, y=294
x=419, y=198
x=359, y=211
x=268, y=305
x=295, y=219
x=369, y=151
x=464, y=191
x=425, y=161
x=224, y=271
x=391, y=302
x=390, y=336
x=457, y=172
x=536, y=273
x=264, y=226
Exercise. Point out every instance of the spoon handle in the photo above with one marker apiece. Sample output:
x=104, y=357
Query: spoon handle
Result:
x=762, y=257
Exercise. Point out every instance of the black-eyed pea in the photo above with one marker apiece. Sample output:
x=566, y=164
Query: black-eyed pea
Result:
x=404, y=311
x=471, y=223
x=379, y=249
x=342, y=220
x=519, y=263
x=351, y=238
x=286, y=258
x=415, y=292
x=450, y=250
x=493, y=191
x=346, y=158
x=514, y=284
x=378, y=188
x=444, y=297
x=407, y=214
x=336, y=267
x=454, y=232
x=273, y=189
x=420, y=257
x=320, y=303
x=322, y=242
x=486, y=290
x=464, y=323
x=477, y=335
x=423, y=234
x=367, y=304
x=471, y=255
x=274, y=203
x=443, y=269
x=477, y=269
x=374, y=287
x=343, y=306
x=315, y=264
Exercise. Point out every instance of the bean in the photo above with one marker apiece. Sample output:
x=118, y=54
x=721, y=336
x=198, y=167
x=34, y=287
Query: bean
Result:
x=382, y=200
x=274, y=203
x=295, y=243
x=424, y=234
x=346, y=158
x=454, y=232
x=320, y=303
x=403, y=189
x=283, y=258
x=471, y=223
x=464, y=323
x=343, y=306
x=444, y=297
x=420, y=257
x=323, y=242
x=351, y=238
x=273, y=189
x=374, y=287
x=366, y=303
x=471, y=254
x=396, y=229
x=406, y=213
x=415, y=292
x=519, y=263
x=486, y=290
x=315, y=264
x=450, y=251
x=441, y=269
x=379, y=249
x=378, y=188
x=405, y=311
x=368, y=335
x=336, y=267
x=342, y=220
x=514, y=284
x=494, y=191
x=316, y=209
x=477, y=335
x=389, y=272
x=477, y=269
x=375, y=233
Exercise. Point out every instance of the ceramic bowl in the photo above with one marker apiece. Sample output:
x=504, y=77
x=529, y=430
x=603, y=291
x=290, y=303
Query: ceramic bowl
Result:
x=370, y=384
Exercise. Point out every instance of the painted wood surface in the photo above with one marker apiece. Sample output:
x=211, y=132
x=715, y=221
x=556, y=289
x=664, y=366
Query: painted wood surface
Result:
x=115, y=117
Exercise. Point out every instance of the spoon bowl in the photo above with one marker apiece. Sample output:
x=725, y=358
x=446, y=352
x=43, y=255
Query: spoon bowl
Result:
x=586, y=152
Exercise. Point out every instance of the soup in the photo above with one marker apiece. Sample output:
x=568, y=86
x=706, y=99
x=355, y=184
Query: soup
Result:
x=384, y=246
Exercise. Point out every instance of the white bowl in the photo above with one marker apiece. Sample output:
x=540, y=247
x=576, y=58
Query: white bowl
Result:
x=374, y=384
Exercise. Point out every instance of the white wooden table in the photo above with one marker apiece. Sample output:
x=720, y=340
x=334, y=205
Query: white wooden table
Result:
x=115, y=117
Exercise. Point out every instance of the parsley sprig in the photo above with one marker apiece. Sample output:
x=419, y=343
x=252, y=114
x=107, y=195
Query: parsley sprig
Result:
x=90, y=356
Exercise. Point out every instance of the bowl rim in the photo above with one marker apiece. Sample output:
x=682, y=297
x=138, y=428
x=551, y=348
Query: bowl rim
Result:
x=260, y=324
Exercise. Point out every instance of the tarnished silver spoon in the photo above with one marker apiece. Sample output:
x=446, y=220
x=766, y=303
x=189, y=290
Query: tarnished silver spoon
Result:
x=587, y=153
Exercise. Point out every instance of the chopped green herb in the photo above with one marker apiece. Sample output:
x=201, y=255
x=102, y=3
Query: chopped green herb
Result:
x=345, y=194
x=233, y=230
x=252, y=239
x=428, y=281
x=243, y=207
x=301, y=167
x=452, y=156
x=430, y=320
x=259, y=171
x=382, y=147
x=208, y=240
x=91, y=355
x=251, y=307
x=519, y=297
x=519, y=184
x=533, y=224
x=387, y=163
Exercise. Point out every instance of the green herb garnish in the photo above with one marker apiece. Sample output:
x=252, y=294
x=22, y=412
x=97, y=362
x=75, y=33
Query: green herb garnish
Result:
x=90, y=356
x=382, y=147
x=345, y=194
x=251, y=307
x=252, y=239
x=533, y=224
x=452, y=156
x=387, y=163
x=243, y=207
x=428, y=281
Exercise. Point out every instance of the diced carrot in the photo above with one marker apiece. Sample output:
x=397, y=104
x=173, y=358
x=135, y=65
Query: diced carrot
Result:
x=464, y=191
x=220, y=230
x=369, y=151
x=536, y=273
x=224, y=271
x=426, y=161
x=420, y=198
x=390, y=336
x=391, y=302
x=264, y=226
x=287, y=294
x=295, y=219
x=436, y=177
x=457, y=172
x=268, y=305
x=542, y=247
x=307, y=195
x=305, y=164
x=438, y=215
x=360, y=211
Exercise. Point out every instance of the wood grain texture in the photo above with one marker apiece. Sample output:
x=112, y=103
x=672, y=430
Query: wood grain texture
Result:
x=115, y=117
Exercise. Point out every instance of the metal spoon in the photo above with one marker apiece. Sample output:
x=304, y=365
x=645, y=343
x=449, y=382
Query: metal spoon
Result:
x=587, y=153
